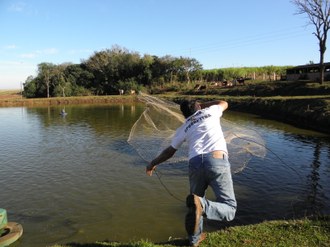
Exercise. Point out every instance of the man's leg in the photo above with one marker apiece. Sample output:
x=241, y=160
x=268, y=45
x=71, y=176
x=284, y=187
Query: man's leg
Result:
x=220, y=180
x=194, y=217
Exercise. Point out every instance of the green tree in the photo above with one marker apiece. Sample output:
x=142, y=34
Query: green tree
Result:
x=184, y=68
x=80, y=79
x=61, y=86
x=111, y=66
x=45, y=72
x=145, y=71
x=30, y=87
x=97, y=64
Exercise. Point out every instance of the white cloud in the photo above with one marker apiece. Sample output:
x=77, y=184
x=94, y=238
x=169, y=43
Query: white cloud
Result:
x=5, y=64
x=31, y=55
x=28, y=55
x=17, y=7
x=10, y=47
x=81, y=51
x=48, y=51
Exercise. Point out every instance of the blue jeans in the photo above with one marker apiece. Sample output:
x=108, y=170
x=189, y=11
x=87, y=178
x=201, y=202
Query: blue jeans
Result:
x=206, y=170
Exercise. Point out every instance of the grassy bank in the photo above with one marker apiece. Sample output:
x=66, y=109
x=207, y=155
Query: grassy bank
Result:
x=18, y=101
x=310, y=112
x=303, y=103
x=305, y=232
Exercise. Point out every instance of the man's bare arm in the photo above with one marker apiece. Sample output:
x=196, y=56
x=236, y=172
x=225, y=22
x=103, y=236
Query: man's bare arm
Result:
x=165, y=155
x=222, y=103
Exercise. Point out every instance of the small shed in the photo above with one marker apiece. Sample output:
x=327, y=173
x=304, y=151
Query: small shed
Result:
x=306, y=72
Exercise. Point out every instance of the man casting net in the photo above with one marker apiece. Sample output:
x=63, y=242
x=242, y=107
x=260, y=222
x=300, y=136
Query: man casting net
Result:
x=154, y=130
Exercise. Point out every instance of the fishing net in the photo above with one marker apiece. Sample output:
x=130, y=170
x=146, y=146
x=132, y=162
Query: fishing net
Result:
x=154, y=130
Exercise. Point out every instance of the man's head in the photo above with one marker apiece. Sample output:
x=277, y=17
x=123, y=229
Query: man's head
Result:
x=189, y=107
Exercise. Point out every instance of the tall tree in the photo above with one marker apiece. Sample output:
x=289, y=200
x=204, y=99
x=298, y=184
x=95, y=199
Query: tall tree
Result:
x=318, y=12
x=98, y=65
x=45, y=72
x=59, y=80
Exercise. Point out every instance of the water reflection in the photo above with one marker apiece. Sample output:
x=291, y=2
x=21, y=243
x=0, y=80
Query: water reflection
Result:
x=99, y=118
x=316, y=194
x=75, y=178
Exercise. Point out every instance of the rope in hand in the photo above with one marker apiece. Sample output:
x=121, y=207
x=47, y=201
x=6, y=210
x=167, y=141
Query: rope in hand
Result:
x=167, y=189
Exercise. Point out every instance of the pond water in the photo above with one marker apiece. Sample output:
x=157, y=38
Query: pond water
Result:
x=76, y=179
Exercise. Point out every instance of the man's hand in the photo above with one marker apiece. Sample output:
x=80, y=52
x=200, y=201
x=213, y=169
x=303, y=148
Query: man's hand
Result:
x=165, y=155
x=149, y=169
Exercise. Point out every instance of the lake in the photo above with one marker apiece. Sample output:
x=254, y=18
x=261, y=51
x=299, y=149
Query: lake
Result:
x=76, y=179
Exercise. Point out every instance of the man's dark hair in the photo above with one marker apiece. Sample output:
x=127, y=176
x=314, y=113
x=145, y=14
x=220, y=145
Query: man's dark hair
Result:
x=187, y=108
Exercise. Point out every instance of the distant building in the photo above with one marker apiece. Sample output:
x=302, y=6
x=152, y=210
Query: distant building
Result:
x=307, y=72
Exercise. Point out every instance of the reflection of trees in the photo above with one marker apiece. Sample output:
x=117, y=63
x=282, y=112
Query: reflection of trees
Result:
x=101, y=118
x=315, y=205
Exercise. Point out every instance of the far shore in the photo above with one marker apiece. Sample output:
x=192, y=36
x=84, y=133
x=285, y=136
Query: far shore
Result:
x=310, y=112
x=17, y=100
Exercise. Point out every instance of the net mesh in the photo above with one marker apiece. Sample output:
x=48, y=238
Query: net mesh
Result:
x=154, y=130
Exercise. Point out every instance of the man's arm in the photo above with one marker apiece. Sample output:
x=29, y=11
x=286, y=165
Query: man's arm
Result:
x=165, y=155
x=222, y=103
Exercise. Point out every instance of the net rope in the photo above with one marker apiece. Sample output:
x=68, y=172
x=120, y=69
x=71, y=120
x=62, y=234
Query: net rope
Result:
x=156, y=126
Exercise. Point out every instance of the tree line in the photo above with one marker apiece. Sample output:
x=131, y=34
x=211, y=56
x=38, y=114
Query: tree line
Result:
x=110, y=70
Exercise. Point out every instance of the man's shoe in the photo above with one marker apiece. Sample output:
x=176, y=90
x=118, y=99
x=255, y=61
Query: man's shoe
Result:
x=194, y=214
x=201, y=238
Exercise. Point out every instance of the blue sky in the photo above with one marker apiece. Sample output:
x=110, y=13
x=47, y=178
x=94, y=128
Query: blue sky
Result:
x=217, y=33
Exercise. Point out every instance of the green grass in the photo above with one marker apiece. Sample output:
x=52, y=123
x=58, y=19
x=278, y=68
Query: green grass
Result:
x=10, y=91
x=5, y=92
x=302, y=233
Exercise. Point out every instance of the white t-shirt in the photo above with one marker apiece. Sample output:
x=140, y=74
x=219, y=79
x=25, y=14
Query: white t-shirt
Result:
x=202, y=131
